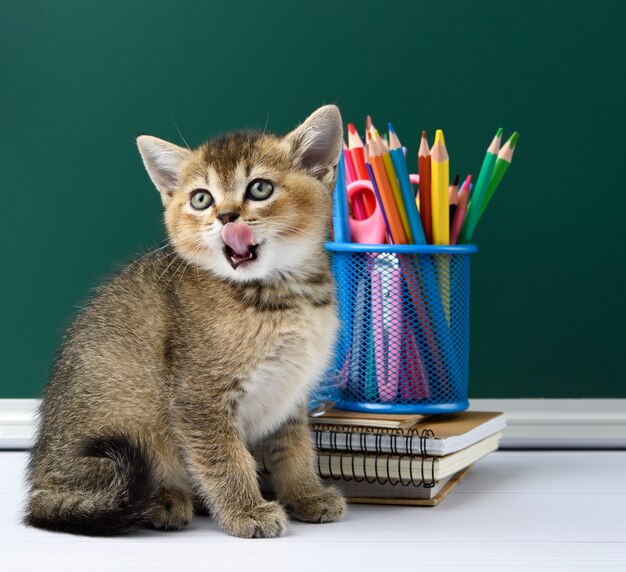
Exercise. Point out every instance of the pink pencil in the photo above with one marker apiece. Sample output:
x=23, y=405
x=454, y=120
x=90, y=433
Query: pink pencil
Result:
x=461, y=210
x=415, y=384
x=378, y=326
x=350, y=172
x=358, y=207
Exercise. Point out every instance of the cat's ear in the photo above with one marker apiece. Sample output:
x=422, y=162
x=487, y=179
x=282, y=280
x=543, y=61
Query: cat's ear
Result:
x=317, y=144
x=163, y=161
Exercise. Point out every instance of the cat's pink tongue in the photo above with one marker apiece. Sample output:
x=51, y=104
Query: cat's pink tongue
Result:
x=239, y=237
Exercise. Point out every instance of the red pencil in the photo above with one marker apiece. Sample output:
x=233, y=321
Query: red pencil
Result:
x=356, y=150
x=425, y=198
x=453, y=197
x=355, y=145
x=461, y=210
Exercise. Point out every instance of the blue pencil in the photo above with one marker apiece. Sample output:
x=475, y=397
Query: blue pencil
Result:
x=341, y=212
x=408, y=197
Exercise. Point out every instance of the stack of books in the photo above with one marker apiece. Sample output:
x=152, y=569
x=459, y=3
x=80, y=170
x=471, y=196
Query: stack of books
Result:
x=402, y=459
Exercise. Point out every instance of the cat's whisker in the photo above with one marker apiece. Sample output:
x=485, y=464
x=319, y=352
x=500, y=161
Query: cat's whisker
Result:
x=181, y=135
x=267, y=120
x=166, y=269
x=154, y=251
x=180, y=265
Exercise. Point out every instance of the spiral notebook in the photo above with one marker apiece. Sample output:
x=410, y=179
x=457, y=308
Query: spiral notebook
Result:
x=363, y=492
x=436, y=435
x=403, y=469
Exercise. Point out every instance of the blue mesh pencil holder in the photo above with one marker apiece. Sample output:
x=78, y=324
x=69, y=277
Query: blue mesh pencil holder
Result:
x=403, y=345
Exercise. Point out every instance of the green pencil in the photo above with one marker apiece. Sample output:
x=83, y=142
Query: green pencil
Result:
x=502, y=164
x=480, y=190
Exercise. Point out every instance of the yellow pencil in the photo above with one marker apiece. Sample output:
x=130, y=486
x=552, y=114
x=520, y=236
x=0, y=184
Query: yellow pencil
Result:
x=440, y=182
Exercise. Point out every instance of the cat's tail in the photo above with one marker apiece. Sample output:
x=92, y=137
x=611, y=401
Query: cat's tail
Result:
x=118, y=509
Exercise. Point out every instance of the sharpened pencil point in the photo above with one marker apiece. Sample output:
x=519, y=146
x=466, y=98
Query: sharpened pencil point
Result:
x=499, y=132
x=456, y=180
x=390, y=127
x=424, y=133
x=351, y=128
x=439, y=137
x=513, y=140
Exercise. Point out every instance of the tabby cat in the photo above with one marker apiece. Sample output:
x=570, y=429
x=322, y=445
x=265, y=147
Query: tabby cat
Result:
x=196, y=354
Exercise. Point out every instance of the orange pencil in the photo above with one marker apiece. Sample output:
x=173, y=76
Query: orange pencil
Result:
x=383, y=151
x=386, y=193
x=425, y=201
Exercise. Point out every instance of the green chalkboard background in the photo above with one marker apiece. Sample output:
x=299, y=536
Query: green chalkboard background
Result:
x=79, y=80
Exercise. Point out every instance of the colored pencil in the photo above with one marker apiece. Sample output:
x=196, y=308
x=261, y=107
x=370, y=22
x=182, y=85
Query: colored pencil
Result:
x=480, y=191
x=368, y=124
x=459, y=215
x=395, y=187
x=355, y=146
x=341, y=213
x=453, y=197
x=408, y=198
x=357, y=152
x=357, y=203
x=440, y=181
x=505, y=156
x=350, y=172
x=372, y=178
x=424, y=195
x=386, y=193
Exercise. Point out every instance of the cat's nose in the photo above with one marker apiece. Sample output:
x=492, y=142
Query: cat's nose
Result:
x=229, y=216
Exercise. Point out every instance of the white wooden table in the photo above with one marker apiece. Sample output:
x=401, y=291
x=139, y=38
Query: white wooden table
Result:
x=516, y=510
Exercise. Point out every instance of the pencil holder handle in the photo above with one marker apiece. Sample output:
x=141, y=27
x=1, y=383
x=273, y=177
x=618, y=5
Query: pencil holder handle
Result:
x=403, y=346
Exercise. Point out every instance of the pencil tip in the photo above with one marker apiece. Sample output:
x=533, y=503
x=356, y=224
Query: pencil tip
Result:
x=424, y=133
x=439, y=137
x=390, y=127
x=351, y=128
x=456, y=180
x=499, y=132
x=513, y=140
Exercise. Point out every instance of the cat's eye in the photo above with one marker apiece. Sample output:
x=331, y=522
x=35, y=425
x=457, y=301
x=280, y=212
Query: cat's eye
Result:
x=201, y=200
x=259, y=190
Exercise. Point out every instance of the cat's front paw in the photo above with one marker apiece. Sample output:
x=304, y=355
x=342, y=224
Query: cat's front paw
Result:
x=265, y=520
x=327, y=506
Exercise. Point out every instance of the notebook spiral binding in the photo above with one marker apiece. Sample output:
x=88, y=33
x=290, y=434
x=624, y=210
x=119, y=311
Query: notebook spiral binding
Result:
x=356, y=442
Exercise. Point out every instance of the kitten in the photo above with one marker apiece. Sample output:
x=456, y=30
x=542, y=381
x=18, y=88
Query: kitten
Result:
x=192, y=356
